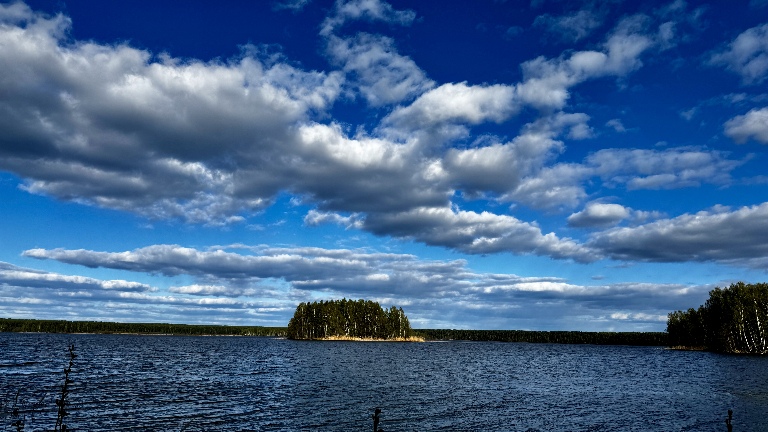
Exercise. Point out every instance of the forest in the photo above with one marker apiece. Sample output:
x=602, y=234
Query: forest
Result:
x=361, y=319
x=564, y=337
x=62, y=326
x=561, y=337
x=733, y=320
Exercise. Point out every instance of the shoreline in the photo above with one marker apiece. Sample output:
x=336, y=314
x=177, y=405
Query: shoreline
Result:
x=16, y=325
x=686, y=348
x=357, y=339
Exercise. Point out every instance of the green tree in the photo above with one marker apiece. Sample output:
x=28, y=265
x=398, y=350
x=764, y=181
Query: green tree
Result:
x=359, y=319
x=733, y=320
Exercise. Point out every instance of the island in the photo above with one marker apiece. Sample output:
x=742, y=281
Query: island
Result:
x=349, y=320
x=734, y=320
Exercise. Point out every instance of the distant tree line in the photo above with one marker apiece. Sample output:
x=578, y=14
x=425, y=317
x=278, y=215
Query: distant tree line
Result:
x=61, y=326
x=733, y=320
x=348, y=318
x=561, y=337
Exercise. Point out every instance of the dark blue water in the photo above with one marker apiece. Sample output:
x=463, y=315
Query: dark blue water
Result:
x=166, y=383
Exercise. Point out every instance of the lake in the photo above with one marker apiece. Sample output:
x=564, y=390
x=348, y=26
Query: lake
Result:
x=177, y=383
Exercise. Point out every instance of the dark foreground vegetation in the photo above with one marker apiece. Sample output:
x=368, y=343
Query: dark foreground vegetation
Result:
x=361, y=319
x=562, y=337
x=17, y=411
x=61, y=326
x=733, y=320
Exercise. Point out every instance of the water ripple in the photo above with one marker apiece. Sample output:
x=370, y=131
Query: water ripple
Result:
x=125, y=382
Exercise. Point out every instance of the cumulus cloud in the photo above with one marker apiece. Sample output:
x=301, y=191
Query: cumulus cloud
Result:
x=752, y=125
x=667, y=169
x=111, y=126
x=215, y=142
x=747, y=55
x=561, y=186
x=495, y=168
x=457, y=103
x=545, y=85
x=381, y=75
x=552, y=188
x=506, y=171
x=344, y=174
x=720, y=234
x=475, y=233
x=546, y=81
x=518, y=171
x=598, y=215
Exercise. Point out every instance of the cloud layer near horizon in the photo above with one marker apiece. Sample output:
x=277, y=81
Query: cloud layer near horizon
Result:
x=271, y=281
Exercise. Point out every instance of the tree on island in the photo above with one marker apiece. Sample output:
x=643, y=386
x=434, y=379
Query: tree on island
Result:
x=363, y=319
x=733, y=320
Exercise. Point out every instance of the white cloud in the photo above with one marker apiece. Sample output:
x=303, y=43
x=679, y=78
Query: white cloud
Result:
x=343, y=174
x=716, y=235
x=180, y=124
x=495, y=168
x=561, y=186
x=422, y=287
x=747, y=55
x=501, y=168
x=215, y=142
x=616, y=124
x=546, y=81
x=173, y=260
x=382, y=75
x=581, y=131
x=689, y=114
x=314, y=218
x=571, y=27
x=752, y=125
x=292, y=5
x=667, y=169
x=545, y=86
x=457, y=103
x=369, y=10
x=108, y=125
x=666, y=34
x=624, y=53
x=211, y=290
x=599, y=215
x=552, y=187
x=17, y=276
x=476, y=233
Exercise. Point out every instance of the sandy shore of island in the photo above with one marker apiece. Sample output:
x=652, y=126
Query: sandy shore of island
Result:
x=356, y=339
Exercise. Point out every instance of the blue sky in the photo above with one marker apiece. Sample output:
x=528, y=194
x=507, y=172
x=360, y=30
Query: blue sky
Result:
x=492, y=165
